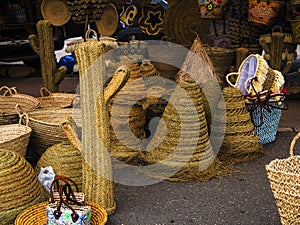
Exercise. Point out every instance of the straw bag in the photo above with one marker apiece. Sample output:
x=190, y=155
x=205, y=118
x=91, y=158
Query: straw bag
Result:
x=15, y=137
x=8, y=102
x=284, y=176
x=19, y=186
x=52, y=100
x=36, y=214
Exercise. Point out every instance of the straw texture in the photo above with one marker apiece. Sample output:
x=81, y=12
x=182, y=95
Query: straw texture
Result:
x=173, y=148
x=36, y=214
x=97, y=169
x=284, y=176
x=8, y=102
x=19, y=186
x=15, y=137
x=55, y=100
x=240, y=141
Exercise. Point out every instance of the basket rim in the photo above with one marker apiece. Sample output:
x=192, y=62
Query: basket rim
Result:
x=270, y=167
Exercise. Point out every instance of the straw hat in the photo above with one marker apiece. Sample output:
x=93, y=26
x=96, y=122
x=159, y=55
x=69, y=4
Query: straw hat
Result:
x=108, y=23
x=56, y=11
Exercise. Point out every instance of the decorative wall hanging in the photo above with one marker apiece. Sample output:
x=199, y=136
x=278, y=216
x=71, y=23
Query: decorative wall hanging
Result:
x=109, y=21
x=212, y=9
x=56, y=11
x=152, y=19
x=128, y=15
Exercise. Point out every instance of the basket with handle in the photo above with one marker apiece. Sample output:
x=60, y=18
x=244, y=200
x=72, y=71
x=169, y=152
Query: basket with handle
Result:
x=284, y=177
x=55, y=100
x=15, y=137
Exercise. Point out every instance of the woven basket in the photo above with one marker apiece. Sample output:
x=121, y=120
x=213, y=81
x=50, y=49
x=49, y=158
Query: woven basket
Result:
x=265, y=123
x=8, y=102
x=36, y=214
x=15, y=137
x=45, y=125
x=55, y=100
x=284, y=176
x=19, y=186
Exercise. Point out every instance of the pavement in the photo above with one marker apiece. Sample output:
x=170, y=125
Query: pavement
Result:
x=242, y=198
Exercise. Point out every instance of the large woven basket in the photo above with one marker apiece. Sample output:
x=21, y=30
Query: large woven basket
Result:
x=15, y=137
x=19, y=186
x=55, y=100
x=284, y=177
x=37, y=215
x=8, y=102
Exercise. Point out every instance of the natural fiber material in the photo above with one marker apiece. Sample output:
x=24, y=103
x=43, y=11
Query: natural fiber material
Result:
x=97, y=168
x=45, y=125
x=108, y=23
x=55, y=100
x=240, y=142
x=284, y=175
x=56, y=11
x=36, y=214
x=8, y=102
x=15, y=137
x=188, y=162
x=183, y=23
x=19, y=186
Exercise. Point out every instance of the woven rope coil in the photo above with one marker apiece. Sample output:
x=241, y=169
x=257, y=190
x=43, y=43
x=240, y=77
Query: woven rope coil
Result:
x=8, y=102
x=19, y=186
x=36, y=214
x=284, y=175
x=55, y=100
x=15, y=137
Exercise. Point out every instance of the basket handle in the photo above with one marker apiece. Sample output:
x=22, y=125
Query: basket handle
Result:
x=88, y=33
x=68, y=128
x=7, y=90
x=46, y=90
x=293, y=144
x=227, y=78
x=277, y=26
x=26, y=117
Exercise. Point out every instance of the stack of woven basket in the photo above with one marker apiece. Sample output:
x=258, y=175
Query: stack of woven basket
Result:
x=240, y=142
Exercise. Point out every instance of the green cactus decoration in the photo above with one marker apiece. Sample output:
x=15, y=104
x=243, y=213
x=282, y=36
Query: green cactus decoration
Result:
x=43, y=45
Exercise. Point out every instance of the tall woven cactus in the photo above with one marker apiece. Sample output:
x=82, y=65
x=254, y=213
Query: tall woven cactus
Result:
x=43, y=45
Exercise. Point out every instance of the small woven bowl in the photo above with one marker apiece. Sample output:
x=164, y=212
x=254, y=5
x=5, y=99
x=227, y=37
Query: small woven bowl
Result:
x=37, y=215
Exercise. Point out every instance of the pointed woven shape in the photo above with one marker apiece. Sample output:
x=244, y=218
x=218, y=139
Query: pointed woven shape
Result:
x=19, y=186
x=183, y=146
x=240, y=142
x=97, y=168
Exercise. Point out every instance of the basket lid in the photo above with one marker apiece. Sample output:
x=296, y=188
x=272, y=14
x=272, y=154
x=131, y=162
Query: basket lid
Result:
x=56, y=11
x=108, y=23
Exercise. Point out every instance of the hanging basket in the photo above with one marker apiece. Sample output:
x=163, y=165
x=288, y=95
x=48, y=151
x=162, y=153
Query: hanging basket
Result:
x=284, y=176
x=15, y=137
x=55, y=100
x=37, y=214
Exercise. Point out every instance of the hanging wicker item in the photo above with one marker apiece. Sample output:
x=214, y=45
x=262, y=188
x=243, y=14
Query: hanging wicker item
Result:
x=183, y=147
x=109, y=21
x=240, y=142
x=56, y=11
x=212, y=9
x=284, y=175
x=19, y=186
x=183, y=23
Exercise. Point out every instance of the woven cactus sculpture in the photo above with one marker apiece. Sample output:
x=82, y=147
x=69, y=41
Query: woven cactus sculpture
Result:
x=43, y=45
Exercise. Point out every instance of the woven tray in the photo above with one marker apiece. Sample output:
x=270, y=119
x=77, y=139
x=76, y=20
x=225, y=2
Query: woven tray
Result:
x=55, y=100
x=37, y=215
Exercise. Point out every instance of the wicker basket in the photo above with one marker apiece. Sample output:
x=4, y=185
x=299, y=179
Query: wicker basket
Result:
x=55, y=100
x=8, y=102
x=37, y=215
x=284, y=177
x=15, y=137
x=19, y=186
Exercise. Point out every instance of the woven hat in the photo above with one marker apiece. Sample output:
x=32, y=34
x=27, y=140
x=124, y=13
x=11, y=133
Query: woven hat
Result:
x=108, y=23
x=56, y=11
x=19, y=186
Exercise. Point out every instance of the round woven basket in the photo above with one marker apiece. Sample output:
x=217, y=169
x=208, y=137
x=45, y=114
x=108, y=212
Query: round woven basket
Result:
x=56, y=11
x=19, y=186
x=8, y=102
x=284, y=176
x=109, y=21
x=37, y=215
x=55, y=100
x=45, y=125
x=15, y=137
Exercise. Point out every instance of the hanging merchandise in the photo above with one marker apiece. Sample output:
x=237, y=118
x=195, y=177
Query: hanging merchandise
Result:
x=56, y=11
x=152, y=18
x=129, y=14
x=263, y=12
x=212, y=9
x=109, y=21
